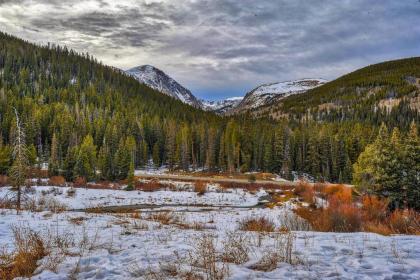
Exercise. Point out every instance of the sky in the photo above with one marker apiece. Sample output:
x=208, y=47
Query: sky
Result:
x=225, y=48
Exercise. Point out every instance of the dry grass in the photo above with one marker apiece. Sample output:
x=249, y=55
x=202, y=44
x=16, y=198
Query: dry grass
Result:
x=260, y=224
x=164, y=217
x=236, y=248
x=77, y=220
x=22, y=262
x=285, y=196
x=200, y=187
x=48, y=203
x=193, y=225
x=6, y=203
x=103, y=185
x=282, y=252
x=205, y=256
x=152, y=185
x=293, y=222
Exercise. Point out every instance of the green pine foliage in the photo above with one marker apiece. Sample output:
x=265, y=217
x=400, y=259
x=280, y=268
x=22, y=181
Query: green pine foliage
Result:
x=390, y=167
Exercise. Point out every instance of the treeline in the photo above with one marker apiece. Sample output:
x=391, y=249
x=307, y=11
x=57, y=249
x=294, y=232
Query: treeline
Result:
x=87, y=119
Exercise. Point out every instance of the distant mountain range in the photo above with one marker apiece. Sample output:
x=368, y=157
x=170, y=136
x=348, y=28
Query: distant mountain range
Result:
x=221, y=106
x=261, y=96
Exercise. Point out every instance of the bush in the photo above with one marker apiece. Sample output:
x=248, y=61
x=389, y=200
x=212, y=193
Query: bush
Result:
x=343, y=218
x=200, y=187
x=374, y=208
x=340, y=192
x=79, y=182
x=261, y=224
x=4, y=181
x=306, y=192
x=58, y=181
x=337, y=217
x=405, y=221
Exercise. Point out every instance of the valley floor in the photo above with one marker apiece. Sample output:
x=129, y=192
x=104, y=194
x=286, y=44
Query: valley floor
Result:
x=189, y=236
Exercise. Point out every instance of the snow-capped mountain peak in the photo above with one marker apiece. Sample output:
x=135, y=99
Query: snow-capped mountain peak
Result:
x=158, y=80
x=270, y=93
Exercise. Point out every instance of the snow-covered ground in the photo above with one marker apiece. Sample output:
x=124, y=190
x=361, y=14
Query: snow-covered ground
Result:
x=127, y=246
x=89, y=198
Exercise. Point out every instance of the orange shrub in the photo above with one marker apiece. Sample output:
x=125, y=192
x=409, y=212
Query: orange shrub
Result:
x=337, y=217
x=340, y=193
x=4, y=180
x=377, y=227
x=306, y=192
x=345, y=218
x=79, y=182
x=405, y=221
x=257, y=224
x=200, y=187
x=374, y=208
x=58, y=181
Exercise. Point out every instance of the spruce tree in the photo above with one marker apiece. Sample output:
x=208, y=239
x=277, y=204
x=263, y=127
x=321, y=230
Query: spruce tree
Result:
x=411, y=180
x=85, y=165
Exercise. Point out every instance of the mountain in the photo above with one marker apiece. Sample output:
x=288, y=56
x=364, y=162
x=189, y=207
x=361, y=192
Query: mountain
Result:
x=221, y=106
x=158, y=80
x=388, y=90
x=271, y=93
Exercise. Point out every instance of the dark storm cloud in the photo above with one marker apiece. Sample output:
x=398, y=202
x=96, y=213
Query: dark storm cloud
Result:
x=229, y=45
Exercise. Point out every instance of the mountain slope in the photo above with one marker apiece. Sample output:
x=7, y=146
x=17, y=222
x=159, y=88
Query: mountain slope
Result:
x=221, y=106
x=270, y=93
x=391, y=87
x=158, y=80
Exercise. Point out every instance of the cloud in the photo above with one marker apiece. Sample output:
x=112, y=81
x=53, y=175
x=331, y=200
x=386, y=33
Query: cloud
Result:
x=225, y=47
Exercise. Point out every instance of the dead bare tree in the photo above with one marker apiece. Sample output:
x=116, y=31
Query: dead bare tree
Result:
x=20, y=161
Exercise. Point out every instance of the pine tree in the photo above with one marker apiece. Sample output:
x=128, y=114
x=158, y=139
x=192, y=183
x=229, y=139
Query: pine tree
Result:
x=156, y=154
x=19, y=168
x=54, y=162
x=5, y=157
x=122, y=161
x=86, y=159
x=130, y=177
x=411, y=180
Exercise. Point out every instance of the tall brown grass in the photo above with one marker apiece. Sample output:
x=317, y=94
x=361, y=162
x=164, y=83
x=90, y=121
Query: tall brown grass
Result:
x=22, y=262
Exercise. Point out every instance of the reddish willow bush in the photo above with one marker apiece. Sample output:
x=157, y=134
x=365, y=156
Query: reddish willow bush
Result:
x=343, y=214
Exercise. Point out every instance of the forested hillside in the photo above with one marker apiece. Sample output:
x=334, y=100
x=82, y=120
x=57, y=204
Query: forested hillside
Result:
x=87, y=119
x=385, y=92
